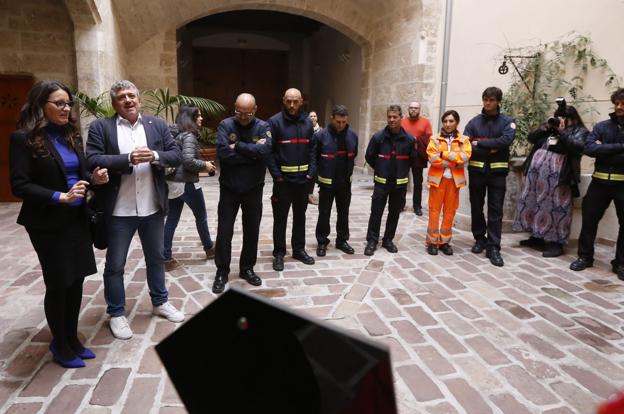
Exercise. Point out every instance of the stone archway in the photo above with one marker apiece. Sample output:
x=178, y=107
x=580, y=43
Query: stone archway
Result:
x=399, y=41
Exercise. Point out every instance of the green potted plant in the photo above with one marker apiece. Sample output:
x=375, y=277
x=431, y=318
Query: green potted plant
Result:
x=208, y=141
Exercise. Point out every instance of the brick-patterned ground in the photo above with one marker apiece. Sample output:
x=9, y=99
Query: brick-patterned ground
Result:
x=466, y=337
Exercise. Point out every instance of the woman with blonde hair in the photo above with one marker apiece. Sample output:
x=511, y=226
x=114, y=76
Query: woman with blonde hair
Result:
x=448, y=153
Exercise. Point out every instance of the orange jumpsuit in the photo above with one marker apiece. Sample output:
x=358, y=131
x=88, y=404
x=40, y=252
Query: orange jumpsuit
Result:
x=444, y=191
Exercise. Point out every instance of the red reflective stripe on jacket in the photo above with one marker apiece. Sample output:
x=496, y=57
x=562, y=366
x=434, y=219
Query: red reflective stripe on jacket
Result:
x=384, y=156
x=351, y=154
x=402, y=157
x=294, y=141
x=328, y=155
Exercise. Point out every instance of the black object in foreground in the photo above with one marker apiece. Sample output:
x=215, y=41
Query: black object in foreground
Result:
x=246, y=354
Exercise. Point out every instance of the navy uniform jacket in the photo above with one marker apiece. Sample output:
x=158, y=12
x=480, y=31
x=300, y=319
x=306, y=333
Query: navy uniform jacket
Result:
x=292, y=156
x=391, y=156
x=495, y=134
x=609, y=167
x=103, y=151
x=244, y=166
x=326, y=147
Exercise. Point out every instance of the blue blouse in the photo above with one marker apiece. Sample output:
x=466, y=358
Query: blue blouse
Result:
x=70, y=162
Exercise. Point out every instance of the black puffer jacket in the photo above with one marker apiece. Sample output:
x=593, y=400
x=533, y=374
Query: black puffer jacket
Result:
x=570, y=142
x=188, y=172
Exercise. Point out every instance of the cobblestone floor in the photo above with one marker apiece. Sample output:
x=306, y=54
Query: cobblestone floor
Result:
x=466, y=337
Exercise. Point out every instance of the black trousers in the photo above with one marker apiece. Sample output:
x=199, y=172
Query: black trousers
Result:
x=595, y=203
x=342, y=195
x=286, y=194
x=417, y=180
x=494, y=186
x=395, y=197
x=229, y=203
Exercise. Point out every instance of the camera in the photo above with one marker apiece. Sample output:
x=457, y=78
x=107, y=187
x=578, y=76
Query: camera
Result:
x=559, y=113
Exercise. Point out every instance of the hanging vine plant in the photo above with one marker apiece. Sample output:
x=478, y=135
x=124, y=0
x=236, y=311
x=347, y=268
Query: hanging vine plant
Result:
x=544, y=72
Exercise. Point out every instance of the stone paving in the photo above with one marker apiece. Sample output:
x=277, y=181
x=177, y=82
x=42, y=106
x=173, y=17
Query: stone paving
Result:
x=466, y=337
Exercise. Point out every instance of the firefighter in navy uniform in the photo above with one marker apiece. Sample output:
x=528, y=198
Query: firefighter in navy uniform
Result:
x=606, y=144
x=243, y=145
x=390, y=153
x=292, y=165
x=491, y=134
x=336, y=149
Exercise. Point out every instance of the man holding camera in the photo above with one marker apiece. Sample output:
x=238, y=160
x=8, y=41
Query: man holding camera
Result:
x=606, y=144
x=491, y=134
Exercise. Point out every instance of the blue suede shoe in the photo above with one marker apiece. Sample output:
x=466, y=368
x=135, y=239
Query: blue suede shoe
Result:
x=86, y=353
x=73, y=363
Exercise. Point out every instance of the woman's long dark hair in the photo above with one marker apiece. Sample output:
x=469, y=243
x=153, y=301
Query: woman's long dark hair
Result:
x=186, y=118
x=32, y=119
x=572, y=114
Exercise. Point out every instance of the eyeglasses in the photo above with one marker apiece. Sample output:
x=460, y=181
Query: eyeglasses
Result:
x=247, y=114
x=62, y=104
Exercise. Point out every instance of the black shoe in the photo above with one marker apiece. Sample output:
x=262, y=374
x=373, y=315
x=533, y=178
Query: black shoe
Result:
x=581, y=264
x=478, y=247
x=251, y=277
x=533, y=242
x=446, y=249
x=418, y=211
x=389, y=246
x=370, y=248
x=321, y=250
x=616, y=267
x=553, y=250
x=495, y=257
x=432, y=249
x=219, y=283
x=345, y=247
x=278, y=263
x=303, y=257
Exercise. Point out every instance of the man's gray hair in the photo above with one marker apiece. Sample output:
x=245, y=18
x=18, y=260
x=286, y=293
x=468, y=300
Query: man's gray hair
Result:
x=120, y=85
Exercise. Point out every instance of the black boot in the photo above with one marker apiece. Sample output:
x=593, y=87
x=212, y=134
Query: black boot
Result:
x=553, y=250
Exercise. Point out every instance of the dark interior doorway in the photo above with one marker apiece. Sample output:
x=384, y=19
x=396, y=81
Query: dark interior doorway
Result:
x=256, y=71
x=264, y=53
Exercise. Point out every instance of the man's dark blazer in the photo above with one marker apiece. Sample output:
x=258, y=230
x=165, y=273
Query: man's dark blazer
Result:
x=36, y=179
x=103, y=152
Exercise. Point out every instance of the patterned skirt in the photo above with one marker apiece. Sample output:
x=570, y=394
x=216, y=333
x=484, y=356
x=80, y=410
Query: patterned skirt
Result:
x=545, y=207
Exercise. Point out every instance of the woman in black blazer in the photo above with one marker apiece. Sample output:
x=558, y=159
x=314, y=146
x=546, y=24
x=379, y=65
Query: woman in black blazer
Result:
x=48, y=171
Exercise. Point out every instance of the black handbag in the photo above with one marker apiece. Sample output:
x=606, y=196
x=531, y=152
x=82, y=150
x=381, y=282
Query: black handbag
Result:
x=97, y=222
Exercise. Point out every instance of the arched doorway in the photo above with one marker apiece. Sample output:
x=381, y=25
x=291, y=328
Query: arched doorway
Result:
x=265, y=52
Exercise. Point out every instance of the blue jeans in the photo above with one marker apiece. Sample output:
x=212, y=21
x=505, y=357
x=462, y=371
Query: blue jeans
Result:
x=194, y=197
x=120, y=233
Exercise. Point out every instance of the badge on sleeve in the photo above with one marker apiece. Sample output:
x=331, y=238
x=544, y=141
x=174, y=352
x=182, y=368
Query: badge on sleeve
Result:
x=232, y=137
x=513, y=125
x=269, y=134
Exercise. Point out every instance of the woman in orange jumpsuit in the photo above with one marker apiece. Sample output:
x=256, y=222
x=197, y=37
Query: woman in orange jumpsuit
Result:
x=448, y=153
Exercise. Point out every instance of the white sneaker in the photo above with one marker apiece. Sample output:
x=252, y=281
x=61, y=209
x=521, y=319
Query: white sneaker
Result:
x=168, y=311
x=120, y=328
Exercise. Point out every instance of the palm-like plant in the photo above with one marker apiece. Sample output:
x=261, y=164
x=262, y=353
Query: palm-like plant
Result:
x=160, y=100
x=99, y=107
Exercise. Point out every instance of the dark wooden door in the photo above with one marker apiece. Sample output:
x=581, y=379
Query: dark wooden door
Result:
x=221, y=74
x=13, y=93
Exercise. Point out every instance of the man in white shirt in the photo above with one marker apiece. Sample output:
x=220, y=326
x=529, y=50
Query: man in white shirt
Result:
x=135, y=148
